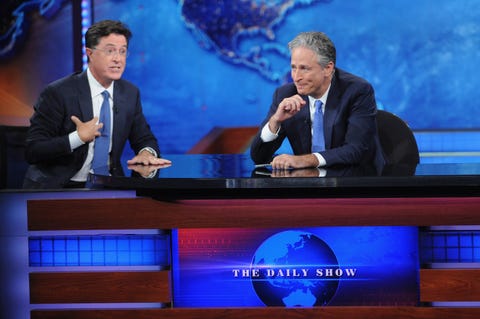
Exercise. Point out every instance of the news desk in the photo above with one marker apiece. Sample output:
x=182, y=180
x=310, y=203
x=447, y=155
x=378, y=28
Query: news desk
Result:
x=236, y=177
x=227, y=191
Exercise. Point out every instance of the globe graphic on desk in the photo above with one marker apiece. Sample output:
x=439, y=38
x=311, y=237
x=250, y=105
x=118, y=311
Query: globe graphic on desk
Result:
x=287, y=264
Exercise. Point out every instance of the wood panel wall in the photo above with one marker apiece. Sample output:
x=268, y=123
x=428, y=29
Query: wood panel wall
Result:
x=436, y=285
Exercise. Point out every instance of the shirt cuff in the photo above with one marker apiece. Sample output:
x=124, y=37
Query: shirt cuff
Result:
x=321, y=160
x=322, y=172
x=75, y=141
x=267, y=135
x=150, y=150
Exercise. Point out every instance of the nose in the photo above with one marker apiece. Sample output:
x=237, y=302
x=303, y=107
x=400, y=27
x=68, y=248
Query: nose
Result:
x=295, y=75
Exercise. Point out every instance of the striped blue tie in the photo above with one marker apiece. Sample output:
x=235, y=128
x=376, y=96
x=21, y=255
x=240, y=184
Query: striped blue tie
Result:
x=318, y=141
x=102, y=142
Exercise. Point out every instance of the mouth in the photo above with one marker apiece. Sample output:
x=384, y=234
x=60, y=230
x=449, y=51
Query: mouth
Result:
x=300, y=86
x=116, y=68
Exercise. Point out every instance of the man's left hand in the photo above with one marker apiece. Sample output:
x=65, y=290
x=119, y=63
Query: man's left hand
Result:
x=147, y=158
x=287, y=161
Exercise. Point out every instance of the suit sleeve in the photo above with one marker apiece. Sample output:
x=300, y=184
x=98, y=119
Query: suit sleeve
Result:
x=354, y=130
x=141, y=135
x=47, y=138
x=263, y=152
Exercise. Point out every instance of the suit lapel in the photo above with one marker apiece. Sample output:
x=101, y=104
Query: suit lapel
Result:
x=84, y=98
x=330, y=114
x=306, y=126
x=118, y=112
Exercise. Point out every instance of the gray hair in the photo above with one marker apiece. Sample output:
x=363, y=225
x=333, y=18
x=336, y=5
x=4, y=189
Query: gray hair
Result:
x=319, y=43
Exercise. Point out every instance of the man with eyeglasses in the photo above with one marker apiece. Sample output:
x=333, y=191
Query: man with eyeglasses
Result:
x=82, y=122
x=328, y=115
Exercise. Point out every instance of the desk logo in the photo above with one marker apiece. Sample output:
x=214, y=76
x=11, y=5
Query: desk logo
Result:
x=296, y=268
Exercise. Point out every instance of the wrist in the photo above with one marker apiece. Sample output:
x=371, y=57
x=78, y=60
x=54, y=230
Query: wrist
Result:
x=274, y=125
x=148, y=150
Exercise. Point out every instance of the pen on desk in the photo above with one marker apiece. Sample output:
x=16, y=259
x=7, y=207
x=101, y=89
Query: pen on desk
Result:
x=263, y=165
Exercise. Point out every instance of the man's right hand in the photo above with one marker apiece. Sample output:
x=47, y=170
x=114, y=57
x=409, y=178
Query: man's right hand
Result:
x=285, y=110
x=87, y=131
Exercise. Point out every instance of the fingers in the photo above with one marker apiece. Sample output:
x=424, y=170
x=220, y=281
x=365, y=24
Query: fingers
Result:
x=285, y=110
x=87, y=131
x=287, y=161
x=93, y=121
x=157, y=161
x=281, y=162
x=281, y=173
x=292, y=104
x=75, y=120
x=149, y=160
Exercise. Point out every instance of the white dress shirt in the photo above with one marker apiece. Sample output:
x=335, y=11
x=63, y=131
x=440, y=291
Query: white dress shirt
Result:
x=96, y=90
x=267, y=136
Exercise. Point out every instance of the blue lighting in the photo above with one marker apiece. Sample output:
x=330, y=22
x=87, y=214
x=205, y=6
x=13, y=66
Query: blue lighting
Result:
x=458, y=246
x=86, y=22
x=299, y=267
x=100, y=250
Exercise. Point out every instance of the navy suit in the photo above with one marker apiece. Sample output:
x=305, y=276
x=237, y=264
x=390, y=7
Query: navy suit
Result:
x=48, y=151
x=350, y=127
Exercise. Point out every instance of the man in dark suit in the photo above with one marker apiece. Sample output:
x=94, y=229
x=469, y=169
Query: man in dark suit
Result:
x=65, y=128
x=346, y=102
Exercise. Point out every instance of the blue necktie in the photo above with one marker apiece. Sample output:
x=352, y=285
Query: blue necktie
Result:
x=318, y=141
x=102, y=142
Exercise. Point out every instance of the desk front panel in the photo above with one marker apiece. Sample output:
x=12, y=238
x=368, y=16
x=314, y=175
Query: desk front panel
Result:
x=135, y=215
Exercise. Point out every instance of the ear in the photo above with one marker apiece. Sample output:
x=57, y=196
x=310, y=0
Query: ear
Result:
x=88, y=51
x=330, y=68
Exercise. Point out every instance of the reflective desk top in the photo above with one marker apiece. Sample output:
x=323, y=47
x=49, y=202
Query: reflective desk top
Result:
x=235, y=176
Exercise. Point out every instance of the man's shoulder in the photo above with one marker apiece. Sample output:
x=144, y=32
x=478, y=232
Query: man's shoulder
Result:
x=345, y=77
x=76, y=76
x=125, y=86
x=67, y=85
x=68, y=80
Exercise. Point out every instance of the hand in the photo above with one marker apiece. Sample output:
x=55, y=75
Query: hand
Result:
x=147, y=170
x=302, y=172
x=87, y=131
x=285, y=110
x=286, y=161
x=147, y=158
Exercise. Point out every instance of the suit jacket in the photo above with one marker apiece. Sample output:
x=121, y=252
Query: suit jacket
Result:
x=350, y=127
x=53, y=164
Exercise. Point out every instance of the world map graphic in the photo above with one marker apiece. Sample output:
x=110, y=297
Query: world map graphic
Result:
x=220, y=25
x=202, y=64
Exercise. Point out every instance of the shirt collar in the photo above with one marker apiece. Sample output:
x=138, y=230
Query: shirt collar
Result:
x=312, y=100
x=95, y=87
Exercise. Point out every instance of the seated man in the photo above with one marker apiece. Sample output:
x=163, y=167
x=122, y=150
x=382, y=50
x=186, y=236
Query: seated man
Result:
x=327, y=114
x=83, y=121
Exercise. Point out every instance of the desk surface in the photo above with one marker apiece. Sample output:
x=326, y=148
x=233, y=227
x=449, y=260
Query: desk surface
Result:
x=235, y=176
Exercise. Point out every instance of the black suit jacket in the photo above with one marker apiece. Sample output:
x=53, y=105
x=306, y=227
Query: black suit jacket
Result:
x=47, y=145
x=350, y=127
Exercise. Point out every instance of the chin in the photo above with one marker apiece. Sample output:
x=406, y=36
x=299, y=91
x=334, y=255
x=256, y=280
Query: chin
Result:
x=302, y=90
x=116, y=76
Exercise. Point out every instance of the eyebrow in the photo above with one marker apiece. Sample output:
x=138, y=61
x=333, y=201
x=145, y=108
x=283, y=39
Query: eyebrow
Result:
x=113, y=45
x=301, y=65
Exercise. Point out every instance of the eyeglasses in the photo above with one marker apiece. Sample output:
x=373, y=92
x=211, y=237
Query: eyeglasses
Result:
x=112, y=51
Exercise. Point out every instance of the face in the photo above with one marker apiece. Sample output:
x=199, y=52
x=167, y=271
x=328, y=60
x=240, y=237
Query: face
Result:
x=107, y=67
x=309, y=77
